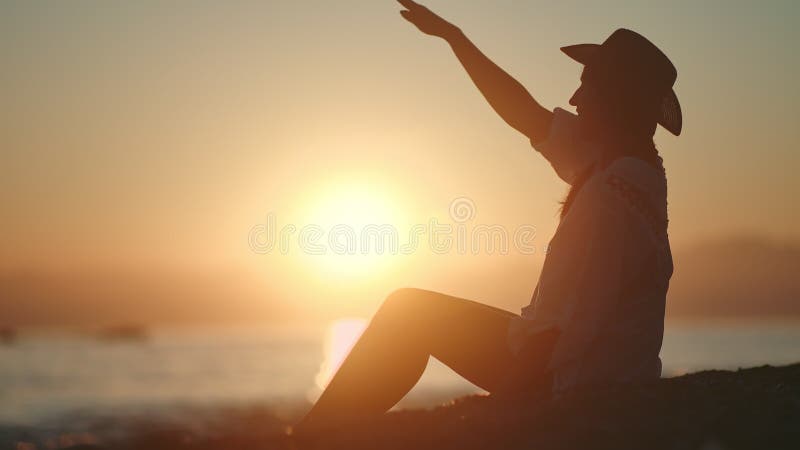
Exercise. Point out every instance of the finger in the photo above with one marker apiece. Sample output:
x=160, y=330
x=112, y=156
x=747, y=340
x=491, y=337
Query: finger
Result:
x=407, y=15
x=410, y=4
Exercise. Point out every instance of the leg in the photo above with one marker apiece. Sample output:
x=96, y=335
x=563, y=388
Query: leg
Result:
x=412, y=325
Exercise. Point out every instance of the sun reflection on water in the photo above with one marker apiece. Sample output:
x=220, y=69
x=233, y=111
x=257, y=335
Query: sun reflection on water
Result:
x=340, y=337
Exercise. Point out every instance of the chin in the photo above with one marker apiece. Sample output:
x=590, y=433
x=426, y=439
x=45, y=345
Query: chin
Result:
x=587, y=131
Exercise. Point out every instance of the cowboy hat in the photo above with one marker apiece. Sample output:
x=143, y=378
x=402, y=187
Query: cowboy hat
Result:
x=630, y=56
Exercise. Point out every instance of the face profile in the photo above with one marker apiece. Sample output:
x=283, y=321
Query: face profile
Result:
x=589, y=106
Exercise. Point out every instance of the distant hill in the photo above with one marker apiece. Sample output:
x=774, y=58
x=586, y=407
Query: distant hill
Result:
x=116, y=297
x=733, y=277
x=737, y=276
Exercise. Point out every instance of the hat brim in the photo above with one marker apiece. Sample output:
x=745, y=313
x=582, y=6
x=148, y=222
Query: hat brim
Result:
x=671, y=117
x=583, y=53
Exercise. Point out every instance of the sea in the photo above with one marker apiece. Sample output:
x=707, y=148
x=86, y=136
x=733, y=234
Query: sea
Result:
x=47, y=376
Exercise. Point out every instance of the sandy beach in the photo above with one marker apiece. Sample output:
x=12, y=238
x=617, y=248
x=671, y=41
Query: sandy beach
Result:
x=754, y=408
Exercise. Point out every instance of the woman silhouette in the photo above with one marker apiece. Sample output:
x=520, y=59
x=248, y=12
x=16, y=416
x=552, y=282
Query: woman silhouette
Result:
x=597, y=314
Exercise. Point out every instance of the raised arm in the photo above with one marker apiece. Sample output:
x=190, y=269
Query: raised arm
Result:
x=506, y=95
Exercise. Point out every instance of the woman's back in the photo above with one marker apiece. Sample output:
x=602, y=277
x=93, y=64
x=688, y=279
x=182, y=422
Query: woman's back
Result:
x=605, y=278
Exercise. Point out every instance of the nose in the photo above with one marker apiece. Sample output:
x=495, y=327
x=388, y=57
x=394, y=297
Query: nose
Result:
x=576, y=97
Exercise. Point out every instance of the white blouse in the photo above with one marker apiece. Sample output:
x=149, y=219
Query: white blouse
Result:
x=604, y=280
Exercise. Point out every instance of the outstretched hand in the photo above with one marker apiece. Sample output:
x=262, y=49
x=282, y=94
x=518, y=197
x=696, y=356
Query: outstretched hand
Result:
x=425, y=20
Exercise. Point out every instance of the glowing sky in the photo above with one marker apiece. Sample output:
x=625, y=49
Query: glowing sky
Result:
x=145, y=134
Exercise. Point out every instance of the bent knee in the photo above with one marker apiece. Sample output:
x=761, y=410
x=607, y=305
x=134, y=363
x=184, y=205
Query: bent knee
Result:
x=404, y=301
x=404, y=296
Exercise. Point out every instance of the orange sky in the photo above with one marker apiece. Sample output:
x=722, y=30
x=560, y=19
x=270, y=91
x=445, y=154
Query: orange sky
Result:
x=145, y=136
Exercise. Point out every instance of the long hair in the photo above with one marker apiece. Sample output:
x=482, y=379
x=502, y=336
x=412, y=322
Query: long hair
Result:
x=630, y=128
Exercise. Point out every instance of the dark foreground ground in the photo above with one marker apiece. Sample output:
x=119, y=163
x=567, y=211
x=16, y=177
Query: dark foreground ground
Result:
x=757, y=408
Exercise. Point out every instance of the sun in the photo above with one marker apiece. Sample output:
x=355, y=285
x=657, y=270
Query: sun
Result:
x=357, y=230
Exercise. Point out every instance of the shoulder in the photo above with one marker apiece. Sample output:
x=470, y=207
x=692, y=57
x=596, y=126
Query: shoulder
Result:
x=628, y=188
x=638, y=173
x=636, y=182
x=564, y=146
x=563, y=124
x=563, y=118
x=640, y=189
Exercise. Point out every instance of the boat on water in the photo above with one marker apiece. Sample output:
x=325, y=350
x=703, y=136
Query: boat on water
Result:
x=8, y=335
x=124, y=333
